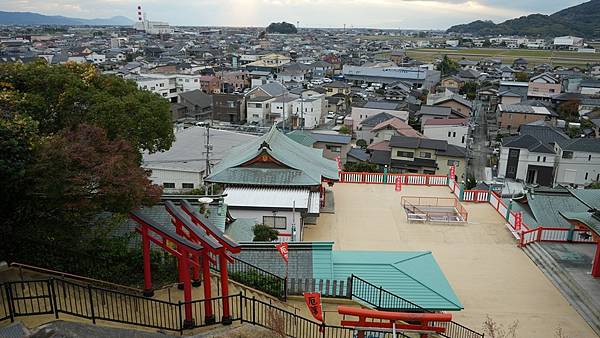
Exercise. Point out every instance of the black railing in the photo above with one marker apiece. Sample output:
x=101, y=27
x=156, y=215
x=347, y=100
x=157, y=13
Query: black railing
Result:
x=255, y=277
x=381, y=299
x=56, y=296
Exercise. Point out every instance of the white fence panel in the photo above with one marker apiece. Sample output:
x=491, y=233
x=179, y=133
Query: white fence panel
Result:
x=555, y=235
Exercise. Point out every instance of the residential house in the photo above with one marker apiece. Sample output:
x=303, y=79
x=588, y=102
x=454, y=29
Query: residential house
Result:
x=452, y=82
x=210, y=84
x=426, y=156
x=438, y=112
x=520, y=88
x=183, y=167
x=579, y=162
x=453, y=131
x=590, y=87
x=309, y=112
x=543, y=86
x=199, y=105
x=334, y=145
x=454, y=101
x=321, y=69
x=337, y=87
x=372, y=108
x=512, y=116
x=229, y=108
x=385, y=130
x=418, y=77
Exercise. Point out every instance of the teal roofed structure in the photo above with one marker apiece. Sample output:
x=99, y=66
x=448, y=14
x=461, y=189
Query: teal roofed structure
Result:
x=274, y=160
x=414, y=276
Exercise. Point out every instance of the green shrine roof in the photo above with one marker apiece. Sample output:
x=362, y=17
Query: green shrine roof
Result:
x=303, y=166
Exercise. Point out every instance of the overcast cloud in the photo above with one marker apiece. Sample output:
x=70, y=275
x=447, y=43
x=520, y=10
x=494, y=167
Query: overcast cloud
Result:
x=418, y=14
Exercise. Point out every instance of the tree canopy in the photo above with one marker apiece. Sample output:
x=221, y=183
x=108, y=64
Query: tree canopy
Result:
x=71, y=140
x=282, y=28
x=64, y=96
x=448, y=66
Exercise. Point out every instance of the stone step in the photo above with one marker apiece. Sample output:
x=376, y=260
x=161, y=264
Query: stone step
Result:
x=573, y=293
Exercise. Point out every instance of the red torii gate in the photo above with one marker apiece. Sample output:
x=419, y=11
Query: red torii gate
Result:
x=199, y=235
x=184, y=248
x=388, y=320
x=230, y=246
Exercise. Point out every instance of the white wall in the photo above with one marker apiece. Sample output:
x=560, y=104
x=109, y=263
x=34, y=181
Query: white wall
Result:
x=590, y=90
x=313, y=111
x=258, y=216
x=188, y=82
x=575, y=170
x=258, y=115
x=525, y=159
x=360, y=114
x=160, y=176
x=458, y=134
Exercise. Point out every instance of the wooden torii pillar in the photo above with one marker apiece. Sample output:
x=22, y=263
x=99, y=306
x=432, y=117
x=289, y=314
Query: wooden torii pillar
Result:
x=184, y=250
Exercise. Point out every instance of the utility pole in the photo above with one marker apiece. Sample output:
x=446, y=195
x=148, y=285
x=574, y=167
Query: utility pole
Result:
x=208, y=148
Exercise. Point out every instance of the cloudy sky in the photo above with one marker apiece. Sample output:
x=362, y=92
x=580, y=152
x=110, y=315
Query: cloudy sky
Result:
x=407, y=14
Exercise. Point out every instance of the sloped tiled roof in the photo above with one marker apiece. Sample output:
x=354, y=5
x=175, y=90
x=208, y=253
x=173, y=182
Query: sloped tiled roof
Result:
x=305, y=166
x=415, y=276
x=401, y=127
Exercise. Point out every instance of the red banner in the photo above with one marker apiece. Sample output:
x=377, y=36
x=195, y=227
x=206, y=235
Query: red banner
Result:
x=518, y=220
x=339, y=163
x=452, y=172
x=283, y=250
x=313, y=301
x=398, y=184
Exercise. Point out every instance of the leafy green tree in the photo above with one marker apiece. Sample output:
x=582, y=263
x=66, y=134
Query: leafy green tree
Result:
x=469, y=89
x=362, y=143
x=361, y=167
x=264, y=233
x=522, y=77
x=569, y=110
x=448, y=66
x=470, y=183
x=345, y=130
x=63, y=96
x=282, y=28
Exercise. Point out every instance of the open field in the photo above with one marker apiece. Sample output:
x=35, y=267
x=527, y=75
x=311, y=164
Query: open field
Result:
x=508, y=55
x=490, y=275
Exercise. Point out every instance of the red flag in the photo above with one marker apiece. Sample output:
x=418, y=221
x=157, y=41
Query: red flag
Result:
x=313, y=301
x=518, y=220
x=398, y=184
x=283, y=250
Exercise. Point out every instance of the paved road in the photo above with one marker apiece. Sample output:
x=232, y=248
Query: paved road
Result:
x=479, y=150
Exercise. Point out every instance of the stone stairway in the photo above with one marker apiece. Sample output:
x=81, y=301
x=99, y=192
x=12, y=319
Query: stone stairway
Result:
x=570, y=289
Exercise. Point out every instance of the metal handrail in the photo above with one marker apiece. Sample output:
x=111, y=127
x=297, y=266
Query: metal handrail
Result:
x=449, y=325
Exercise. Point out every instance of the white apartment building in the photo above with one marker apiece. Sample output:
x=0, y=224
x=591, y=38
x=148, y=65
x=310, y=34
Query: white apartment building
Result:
x=96, y=58
x=258, y=109
x=454, y=131
x=578, y=162
x=161, y=85
x=311, y=109
x=527, y=159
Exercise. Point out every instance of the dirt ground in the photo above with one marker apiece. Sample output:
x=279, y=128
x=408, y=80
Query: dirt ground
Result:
x=490, y=275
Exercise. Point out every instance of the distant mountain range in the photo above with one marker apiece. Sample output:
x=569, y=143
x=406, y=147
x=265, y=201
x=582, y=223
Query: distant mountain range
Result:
x=582, y=20
x=28, y=18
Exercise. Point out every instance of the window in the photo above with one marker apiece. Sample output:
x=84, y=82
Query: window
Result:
x=567, y=154
x=463, y=139
x=589, y=158
x=187, y=185
x=408, y=154
x=161, y=85
x=277, y=222
x=169, y=185
x=586, y=176
x=454, y=134
x=335, y=149
x=449, y=134
x=453, y=162
x=424, y=154
x=538, y=159
x=255, y=115
x=544, y=160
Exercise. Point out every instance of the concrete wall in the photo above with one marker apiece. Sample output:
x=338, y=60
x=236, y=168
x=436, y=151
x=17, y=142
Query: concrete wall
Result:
x=581, y=170
x=456, y=135
x=238, y=212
